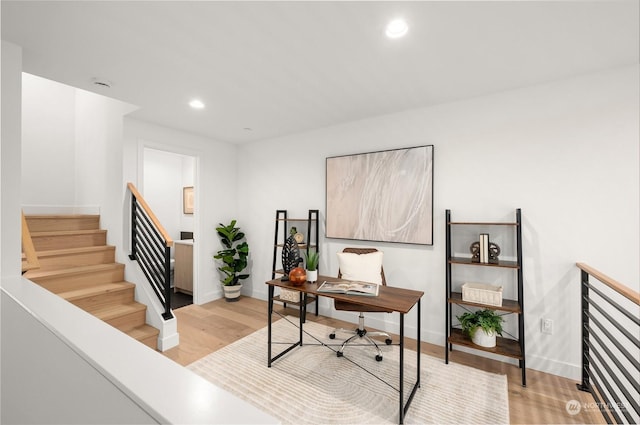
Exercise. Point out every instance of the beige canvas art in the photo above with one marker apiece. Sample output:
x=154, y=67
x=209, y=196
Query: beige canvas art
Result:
x=381, y=196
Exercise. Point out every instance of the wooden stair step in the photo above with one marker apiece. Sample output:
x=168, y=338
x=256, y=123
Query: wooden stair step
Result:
x=101, y=295
x=45, y=241
x=122, y=316
x=64, y=280
x=146, y=334
x=47, y=223
x=77, y=264
x=56, y=259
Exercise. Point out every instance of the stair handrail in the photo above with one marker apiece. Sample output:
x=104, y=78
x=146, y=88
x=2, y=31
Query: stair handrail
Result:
x=607, y=360
x=30, y=257
x=151, y=248
x=134, y=191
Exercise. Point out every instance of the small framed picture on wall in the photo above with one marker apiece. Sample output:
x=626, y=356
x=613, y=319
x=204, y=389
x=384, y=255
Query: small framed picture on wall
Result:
x=187, y=200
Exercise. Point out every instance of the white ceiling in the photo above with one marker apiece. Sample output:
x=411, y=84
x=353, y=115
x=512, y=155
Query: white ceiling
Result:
x=284, y=67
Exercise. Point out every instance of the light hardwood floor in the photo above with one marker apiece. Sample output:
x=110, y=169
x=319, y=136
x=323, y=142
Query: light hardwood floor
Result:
x=206, y=328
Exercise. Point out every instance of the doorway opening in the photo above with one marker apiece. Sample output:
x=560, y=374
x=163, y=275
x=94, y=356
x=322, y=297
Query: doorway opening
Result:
x=168, y=184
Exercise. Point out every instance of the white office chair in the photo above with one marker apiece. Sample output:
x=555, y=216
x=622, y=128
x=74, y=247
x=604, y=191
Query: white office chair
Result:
x=360, y=333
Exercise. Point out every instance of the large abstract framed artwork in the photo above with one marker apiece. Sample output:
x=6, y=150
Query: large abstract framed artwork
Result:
x=382, y=196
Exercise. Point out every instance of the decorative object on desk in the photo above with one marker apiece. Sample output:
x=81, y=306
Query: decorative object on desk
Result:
x=290, y=256
x=347, y=395
x=482, y=326
x=382, y=196
x=299, y=237
x=311, y=265
x=297, y=276
x=482, y=293
x=350, y=288
x=234, y=259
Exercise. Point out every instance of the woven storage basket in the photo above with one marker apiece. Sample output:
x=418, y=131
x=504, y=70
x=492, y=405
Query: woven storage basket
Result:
x=482, y=293
x=291, y=296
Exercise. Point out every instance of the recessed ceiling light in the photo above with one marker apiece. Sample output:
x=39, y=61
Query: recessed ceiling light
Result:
x=196, y=104
x=101, y=82
x=397, y=28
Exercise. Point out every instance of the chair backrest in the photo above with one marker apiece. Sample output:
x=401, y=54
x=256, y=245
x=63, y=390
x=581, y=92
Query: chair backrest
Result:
x=364, y=251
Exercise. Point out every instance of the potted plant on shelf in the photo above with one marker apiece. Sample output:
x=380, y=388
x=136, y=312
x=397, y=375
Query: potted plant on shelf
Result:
x=482, y=326
x=234, y=259
x=311, y=264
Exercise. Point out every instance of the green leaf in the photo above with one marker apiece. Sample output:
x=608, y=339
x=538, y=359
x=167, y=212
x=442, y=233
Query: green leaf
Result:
x=234, y=258
x=486, y=319
x=312, y=259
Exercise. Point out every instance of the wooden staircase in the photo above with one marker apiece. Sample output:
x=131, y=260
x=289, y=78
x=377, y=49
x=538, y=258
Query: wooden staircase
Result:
x=77, y=264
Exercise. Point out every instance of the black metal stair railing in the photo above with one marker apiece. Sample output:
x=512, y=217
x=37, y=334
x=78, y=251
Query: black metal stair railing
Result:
x=610, y=346
x=151, y=248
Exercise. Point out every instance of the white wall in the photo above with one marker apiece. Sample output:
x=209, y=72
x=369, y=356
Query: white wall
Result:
x=61, y=365
x=48, y=142
x=72, y=151
x=99, y=150
x=565, y=152
x=214, y=186
x=165, y=175
x=10, y=119
x=41, y=370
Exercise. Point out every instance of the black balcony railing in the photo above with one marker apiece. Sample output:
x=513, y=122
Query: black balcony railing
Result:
x=610, y=346
x=151, y=248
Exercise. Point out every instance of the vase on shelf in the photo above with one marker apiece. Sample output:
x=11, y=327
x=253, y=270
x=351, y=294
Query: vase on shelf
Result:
x=312, y=275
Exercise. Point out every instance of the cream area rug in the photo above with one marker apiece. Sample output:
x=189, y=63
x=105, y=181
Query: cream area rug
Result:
x=311, y=385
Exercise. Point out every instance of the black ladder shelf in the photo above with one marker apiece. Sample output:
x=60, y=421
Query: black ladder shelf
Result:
x=282, y=226
x=509, y=347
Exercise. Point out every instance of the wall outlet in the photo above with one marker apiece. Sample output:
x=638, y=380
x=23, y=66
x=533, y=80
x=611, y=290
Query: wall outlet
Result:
x=546, y=326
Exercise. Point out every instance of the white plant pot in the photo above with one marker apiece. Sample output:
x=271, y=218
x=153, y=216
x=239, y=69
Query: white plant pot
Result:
x=312, y=275
x=232, y=293
x=484, y=339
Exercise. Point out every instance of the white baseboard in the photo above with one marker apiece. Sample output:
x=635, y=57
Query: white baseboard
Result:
x=169, y=341
x=555, y=367
x=208, y=297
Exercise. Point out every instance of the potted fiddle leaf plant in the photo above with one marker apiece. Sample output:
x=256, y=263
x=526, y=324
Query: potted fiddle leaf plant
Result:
x=234, y=259
x=482, y=326
x=311, y=264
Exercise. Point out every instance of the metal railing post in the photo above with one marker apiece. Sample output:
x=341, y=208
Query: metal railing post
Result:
x=132, y=255
x=167, y=284
x=584, y=293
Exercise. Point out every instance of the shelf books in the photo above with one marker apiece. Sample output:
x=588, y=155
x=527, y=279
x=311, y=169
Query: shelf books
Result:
x=484, y=247
x=350, y=288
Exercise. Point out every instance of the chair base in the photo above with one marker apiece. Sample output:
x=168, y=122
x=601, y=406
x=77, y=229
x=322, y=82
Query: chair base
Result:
x=360, y=333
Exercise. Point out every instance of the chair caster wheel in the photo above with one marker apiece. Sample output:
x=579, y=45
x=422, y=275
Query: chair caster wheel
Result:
x=332, y=336
x=388, y=341
x=339, y=354
x=378, y=358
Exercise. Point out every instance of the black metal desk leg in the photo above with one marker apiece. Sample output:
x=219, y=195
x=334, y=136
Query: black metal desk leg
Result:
x=270, y=312
x=418, y=337
x=303, y=313
x=401, y=383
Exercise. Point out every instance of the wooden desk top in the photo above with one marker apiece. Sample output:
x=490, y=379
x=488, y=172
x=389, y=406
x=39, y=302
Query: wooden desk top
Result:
x=389, y=298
